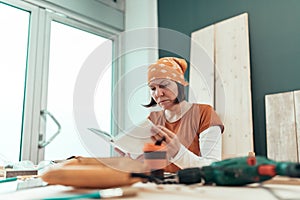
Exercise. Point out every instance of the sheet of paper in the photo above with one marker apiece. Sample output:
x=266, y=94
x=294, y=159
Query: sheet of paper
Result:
x=130, y=141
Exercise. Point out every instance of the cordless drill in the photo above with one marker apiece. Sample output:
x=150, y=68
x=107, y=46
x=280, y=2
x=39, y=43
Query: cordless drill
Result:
x=238, y=171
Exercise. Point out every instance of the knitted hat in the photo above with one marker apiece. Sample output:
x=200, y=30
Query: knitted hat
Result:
x=170, y=68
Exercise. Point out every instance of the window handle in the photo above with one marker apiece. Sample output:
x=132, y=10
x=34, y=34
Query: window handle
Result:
x=42, y=142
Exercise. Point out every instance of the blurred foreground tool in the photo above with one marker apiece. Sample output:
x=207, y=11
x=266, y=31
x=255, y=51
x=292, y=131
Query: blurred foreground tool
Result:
x=98, y=173
x=239, y=171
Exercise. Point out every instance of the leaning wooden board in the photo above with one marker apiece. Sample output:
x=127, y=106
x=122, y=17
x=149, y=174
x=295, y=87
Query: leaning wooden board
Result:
x=297, y=119
x=228, y=80
x=202, y=71
x=281, y=126
x=233, y=85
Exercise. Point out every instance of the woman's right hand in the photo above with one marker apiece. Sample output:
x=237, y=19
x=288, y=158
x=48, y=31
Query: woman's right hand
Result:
x=161, y=133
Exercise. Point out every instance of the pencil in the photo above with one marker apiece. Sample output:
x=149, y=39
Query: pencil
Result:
x=8, y=179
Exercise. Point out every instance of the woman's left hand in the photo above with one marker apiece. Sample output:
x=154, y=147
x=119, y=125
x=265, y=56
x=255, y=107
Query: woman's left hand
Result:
x=173, y=144
x=123, y=154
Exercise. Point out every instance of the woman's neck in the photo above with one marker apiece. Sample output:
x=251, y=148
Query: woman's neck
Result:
x=177, y=111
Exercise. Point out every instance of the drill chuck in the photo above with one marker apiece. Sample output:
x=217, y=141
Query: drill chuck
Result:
x=288, y=169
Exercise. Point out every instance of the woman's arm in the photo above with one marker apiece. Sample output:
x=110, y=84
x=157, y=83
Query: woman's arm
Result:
x=210, y=142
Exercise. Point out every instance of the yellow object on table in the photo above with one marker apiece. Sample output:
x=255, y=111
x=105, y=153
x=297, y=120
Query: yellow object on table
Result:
x=95, y=173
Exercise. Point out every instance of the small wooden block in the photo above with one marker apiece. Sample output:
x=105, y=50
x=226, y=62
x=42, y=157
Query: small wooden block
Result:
x=14, y=173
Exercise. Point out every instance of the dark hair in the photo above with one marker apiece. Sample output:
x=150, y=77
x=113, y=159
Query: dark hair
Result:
x=180, y=97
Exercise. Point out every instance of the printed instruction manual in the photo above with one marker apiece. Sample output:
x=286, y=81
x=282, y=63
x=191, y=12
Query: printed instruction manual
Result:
x=131, y=141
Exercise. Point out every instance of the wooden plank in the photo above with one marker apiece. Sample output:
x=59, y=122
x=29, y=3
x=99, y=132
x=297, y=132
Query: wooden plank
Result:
x=281, y=127
x=297, y=119
x=201, y=89
x=233, y=85
x=283, y=180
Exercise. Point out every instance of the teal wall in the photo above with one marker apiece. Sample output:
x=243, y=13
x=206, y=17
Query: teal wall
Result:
x=274, y=28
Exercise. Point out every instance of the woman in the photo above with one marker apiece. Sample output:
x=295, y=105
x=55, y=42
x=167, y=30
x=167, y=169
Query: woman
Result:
x=191, y=132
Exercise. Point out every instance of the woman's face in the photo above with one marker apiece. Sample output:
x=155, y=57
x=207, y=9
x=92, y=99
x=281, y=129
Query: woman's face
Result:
x=164, y=92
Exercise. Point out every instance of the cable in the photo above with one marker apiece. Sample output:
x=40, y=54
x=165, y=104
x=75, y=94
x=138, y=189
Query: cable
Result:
x=272, y=192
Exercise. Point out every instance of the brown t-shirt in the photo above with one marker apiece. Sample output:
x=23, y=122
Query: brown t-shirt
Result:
x=188, y=128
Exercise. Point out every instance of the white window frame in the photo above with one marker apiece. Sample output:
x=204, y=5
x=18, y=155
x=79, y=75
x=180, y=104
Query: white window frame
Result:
x=39, y=129
x=38, y=63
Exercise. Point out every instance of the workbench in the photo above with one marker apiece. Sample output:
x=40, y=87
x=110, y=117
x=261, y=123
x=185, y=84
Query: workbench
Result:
x=172, y=191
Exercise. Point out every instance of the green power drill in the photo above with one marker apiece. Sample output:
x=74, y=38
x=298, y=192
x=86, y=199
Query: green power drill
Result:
x=238, y=171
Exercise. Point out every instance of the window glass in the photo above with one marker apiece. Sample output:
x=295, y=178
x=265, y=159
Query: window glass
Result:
x=69, y=48
x=13, y=53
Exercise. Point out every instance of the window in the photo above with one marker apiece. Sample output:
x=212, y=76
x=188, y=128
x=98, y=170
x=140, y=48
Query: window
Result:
x=41, y=53
x=13, y=54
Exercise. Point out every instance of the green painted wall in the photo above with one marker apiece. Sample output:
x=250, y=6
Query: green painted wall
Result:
x=274, y=28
